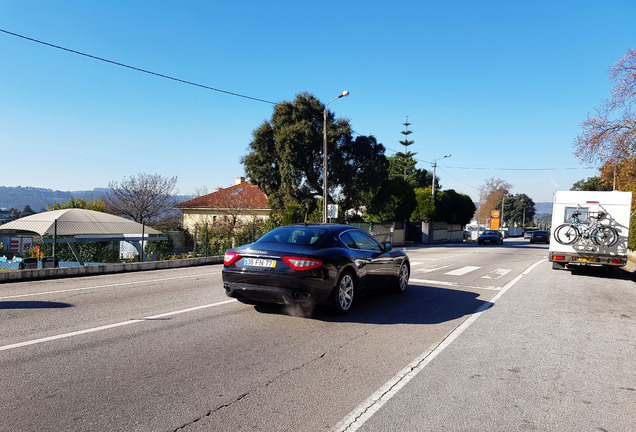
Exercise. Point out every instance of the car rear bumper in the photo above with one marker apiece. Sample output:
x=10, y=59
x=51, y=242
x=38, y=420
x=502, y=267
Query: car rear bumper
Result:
x=255, y=294
x=276, y=289
x=587, y=260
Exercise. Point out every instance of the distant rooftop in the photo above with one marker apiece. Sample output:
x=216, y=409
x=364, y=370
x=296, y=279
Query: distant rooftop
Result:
x=242, y=195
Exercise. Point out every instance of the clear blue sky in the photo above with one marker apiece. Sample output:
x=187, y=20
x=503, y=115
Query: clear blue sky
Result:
x=503, y=86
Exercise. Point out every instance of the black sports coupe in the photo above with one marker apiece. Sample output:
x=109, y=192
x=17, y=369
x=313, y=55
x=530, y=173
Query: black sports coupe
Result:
x=313, y=264
x=490, y=236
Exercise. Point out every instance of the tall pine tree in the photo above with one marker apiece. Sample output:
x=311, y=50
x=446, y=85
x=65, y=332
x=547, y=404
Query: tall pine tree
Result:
x=407, y=156
x=402, y=164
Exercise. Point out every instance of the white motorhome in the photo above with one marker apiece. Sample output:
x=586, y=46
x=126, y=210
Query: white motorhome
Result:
x=589, y=228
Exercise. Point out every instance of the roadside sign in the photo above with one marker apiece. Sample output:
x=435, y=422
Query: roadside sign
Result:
x=332, y=211
x=494, y=220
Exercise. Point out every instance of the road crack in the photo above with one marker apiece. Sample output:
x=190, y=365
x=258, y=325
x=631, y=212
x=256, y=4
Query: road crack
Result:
x=211, y=412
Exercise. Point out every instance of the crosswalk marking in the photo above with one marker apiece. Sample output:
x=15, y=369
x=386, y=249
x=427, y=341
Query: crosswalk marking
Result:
x=426, y=281
x=432, y=268
x=452, y=284
x=462, y=271
x=497, y=273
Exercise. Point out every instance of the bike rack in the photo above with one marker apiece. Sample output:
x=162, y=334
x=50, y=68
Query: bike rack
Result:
x=585, y=248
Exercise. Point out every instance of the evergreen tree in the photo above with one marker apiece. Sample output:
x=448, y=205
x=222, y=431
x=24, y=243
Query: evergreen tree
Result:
x=395, y=201
x=285, y=158
x=591, y=184
x=409, y=162
x=27, y=211
x=403, y=163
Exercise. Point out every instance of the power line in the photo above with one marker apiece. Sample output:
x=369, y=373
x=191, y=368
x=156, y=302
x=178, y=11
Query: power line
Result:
x=518, y=169
x=498, y=169
x=136, y=68
x=461, y=181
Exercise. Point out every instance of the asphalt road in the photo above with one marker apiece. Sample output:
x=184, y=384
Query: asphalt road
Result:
x=167, y=350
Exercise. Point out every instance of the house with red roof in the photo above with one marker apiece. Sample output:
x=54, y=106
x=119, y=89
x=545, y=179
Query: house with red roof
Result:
x=241, y=203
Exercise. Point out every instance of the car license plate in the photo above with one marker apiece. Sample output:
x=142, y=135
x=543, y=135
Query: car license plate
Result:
x=588, y=259
x=260, y=262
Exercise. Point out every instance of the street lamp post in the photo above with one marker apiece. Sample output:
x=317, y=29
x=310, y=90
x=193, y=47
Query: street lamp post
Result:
x=324, y=157
x=503, y=203
x=434, y=168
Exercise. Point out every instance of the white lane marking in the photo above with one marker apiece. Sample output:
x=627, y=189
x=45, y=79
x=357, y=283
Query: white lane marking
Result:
x=452, y=284
x=462, y=271
x=107, y=286
x=497, y=273
x=417, y=262
x=431, y=268
x=427, y=281
x=356, y=418
x=110, y=326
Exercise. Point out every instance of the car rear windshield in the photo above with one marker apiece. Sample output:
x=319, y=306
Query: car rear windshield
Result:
x=293, y=235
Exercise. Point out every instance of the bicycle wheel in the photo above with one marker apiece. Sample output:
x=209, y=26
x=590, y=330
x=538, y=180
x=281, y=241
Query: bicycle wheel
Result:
x=566, y=234
x=605, y=236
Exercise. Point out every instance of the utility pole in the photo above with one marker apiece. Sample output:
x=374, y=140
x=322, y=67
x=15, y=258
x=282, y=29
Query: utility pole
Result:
x=523, y=223
x=478, y=214
x=325, y=193
x=503, y=202
x=434, y=175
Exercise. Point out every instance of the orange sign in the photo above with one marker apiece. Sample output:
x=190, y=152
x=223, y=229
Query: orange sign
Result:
x=494, y=220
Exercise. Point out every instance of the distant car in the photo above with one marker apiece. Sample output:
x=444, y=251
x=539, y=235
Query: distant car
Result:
x=527, y=234
x=313, y=264
x=490, y=236
x=540, y=236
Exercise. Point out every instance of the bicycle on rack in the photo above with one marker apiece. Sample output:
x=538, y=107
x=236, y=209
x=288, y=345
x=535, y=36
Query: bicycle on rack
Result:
x=602, y=235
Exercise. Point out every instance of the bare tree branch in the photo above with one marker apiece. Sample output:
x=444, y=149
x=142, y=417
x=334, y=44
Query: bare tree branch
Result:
x=611, y=133
x=143, y=198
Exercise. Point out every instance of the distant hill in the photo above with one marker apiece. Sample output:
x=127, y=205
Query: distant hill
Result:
x=543, y=209
x=37, y=198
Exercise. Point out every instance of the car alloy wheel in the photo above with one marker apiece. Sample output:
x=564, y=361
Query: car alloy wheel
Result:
x=344, y=293
x=403, y=278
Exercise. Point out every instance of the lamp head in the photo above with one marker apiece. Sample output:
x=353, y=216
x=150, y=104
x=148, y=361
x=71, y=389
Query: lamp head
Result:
x=344, y=93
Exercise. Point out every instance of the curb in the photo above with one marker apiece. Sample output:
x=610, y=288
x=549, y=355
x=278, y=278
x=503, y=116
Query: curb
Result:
x=51, y=273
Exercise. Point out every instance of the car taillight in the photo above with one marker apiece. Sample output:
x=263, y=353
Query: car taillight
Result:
x=230, y=258
x=301, y=263
x=558, y=257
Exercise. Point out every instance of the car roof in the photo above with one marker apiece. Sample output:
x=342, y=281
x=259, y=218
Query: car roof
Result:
x=328, y=226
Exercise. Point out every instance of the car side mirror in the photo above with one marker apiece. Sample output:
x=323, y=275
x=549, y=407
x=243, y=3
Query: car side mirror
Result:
x=387, y=247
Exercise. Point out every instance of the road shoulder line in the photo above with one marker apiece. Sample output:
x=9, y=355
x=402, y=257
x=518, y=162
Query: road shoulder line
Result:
x=110, y=326
x=356, y=418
